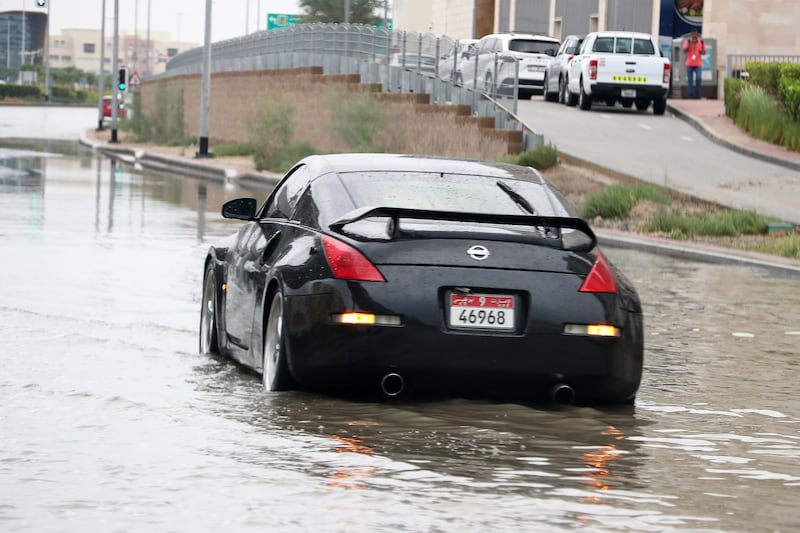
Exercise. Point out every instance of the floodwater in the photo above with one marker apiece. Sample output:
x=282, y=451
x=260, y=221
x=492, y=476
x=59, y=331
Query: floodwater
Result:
x=111, y=421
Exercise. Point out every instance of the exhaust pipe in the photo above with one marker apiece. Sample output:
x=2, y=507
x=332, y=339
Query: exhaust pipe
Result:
x=392, y=384
x=562, y=394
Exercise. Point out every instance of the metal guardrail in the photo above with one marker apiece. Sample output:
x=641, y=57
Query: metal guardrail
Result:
x=402, y=62
x=736, y=64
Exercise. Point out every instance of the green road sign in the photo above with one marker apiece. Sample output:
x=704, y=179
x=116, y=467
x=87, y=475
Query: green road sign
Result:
x=282, y=20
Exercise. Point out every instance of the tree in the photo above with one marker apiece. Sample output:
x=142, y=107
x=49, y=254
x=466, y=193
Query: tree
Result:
x=329, y=11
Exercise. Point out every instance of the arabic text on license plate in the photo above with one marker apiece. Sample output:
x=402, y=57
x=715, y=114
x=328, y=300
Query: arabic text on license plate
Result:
x=482, y=311
x=629, y=93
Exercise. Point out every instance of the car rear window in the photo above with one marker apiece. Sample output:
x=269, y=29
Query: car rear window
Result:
x=448, y=192
x=623, y=45
x=531, y=46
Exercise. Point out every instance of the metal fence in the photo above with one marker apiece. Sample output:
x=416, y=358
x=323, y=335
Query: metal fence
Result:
x=402, y=62
x=736, y=64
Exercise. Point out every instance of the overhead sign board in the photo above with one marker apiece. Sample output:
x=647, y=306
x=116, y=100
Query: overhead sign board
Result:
x=276, y=21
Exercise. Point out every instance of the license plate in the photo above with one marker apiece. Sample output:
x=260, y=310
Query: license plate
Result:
x=481, y=311
x=629, y=93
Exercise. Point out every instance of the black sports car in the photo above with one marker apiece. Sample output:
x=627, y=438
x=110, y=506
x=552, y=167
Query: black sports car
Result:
x=408, y=274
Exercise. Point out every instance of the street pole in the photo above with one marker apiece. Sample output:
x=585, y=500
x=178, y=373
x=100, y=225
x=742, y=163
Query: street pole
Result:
x=115, y=69
x=149, y=46
x=136, y=36
x=347, y=11
x=206, y=89
x=247, y=17
x=47, y=58
x=22, y=52
x=101, y=83
x=258, y=16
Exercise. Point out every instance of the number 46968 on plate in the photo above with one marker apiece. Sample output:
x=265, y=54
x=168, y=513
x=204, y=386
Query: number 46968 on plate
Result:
x=481, y=311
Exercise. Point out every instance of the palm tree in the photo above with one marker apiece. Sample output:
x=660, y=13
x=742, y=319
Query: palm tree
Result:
x=361, y=11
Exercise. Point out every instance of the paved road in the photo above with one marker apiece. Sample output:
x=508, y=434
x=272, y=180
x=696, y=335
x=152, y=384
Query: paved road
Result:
x=667, y=151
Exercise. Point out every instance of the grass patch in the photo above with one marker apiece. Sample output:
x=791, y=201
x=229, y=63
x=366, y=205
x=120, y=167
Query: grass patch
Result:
x=540, y=157
x=720, y=224
x=357, y=120
x=617, y=201
x=783, y=245
x=231, y=150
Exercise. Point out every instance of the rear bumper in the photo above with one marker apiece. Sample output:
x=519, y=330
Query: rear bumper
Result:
x=613, y=90
x=433, y=358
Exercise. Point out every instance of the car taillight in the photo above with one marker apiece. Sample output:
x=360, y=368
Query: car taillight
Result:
x=601, y=277
x=666, y=73
x=593, y=69
x=348, y=263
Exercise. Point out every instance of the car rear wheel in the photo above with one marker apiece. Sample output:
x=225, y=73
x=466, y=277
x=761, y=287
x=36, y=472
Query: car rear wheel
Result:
x=209, y=342
x=562, y=91
x=548, y=95
x=659, y=106
x=459, y=79
x=488, y=87
x=642, y=105
x=584, y=100
x=275, y=372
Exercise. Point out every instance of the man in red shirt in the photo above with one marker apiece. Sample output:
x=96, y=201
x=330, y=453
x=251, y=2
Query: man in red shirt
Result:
x=695, y=50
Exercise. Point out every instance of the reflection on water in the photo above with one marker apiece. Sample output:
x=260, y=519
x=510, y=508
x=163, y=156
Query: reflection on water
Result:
x=111, y=419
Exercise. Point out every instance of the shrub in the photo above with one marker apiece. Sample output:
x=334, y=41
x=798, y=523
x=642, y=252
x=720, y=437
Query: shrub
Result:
x=785, y=245
x=789, y=91
x=733, y=96
x=271, y=134
x=25, y=92
x=357, y=120
x=759, y=115
x=539, y=157
x=764, y=75
x=617, y=201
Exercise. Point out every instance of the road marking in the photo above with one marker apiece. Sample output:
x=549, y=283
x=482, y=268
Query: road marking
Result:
x=688, y=139
x=645, y=127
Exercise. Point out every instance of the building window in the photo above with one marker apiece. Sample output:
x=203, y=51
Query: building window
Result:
x=88, y=48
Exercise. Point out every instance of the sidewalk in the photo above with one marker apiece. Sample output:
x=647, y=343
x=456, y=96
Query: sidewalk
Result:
x=708, y=117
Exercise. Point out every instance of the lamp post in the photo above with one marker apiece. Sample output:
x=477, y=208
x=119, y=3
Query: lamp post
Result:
x=47, y=58
x=115, y=88
x=101, y=83
x=206, y=88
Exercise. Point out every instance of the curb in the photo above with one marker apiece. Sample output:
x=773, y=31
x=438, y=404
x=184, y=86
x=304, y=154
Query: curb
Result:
x=708, y=255
x=712, y=135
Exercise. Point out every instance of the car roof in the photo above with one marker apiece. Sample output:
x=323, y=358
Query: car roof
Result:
x=360, y=162
x=531, y=36
x=640, y=35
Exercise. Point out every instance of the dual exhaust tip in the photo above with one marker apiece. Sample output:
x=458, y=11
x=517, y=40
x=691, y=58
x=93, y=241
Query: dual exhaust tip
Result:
x=392, y=385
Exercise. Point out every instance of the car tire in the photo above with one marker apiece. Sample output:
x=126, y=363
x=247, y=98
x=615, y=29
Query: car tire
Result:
x=584, y=100
x=274, y=370
x=642, y=105
x=572, y=98
x=548, y=95
x=209, y=339
x=659, y=106
x=459, y=79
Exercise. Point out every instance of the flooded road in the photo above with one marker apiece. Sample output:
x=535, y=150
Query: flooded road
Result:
x=111, y=421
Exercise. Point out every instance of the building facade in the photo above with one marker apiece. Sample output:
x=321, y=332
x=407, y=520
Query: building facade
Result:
x=22, y=37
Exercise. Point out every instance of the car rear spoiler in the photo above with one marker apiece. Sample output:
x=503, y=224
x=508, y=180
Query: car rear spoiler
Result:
x=396, y=213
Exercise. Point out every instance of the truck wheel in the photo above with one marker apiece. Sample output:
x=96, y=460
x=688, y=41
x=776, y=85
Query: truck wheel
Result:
x=642, y=105
x=584, y=100
x=659, y=105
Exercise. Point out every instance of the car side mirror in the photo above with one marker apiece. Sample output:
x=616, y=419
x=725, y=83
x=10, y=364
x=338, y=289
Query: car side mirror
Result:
x=240, y=209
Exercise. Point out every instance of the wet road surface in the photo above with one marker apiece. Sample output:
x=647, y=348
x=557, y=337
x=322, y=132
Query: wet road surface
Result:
x=111, y=421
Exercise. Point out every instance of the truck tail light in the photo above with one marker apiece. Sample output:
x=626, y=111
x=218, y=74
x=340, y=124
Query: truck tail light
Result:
x=666, y=73
x=593, y=69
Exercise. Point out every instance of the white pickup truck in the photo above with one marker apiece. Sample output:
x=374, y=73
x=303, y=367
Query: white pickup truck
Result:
x=619, y=66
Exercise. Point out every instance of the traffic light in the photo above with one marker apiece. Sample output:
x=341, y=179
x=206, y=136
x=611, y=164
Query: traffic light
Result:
x=122, y=81
x=41, y=3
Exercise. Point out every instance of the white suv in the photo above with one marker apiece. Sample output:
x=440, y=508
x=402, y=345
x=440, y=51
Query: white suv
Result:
x=491, y=66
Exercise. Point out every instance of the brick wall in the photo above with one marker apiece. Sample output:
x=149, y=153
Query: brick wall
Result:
x=410, y=123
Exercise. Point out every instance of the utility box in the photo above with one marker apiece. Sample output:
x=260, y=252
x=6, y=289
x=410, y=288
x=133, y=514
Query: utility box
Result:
x=709, y=74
